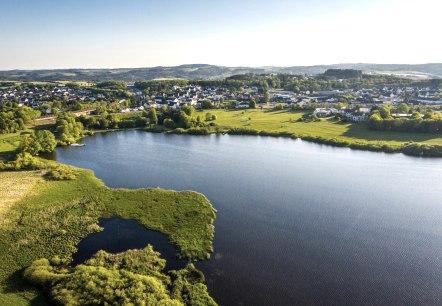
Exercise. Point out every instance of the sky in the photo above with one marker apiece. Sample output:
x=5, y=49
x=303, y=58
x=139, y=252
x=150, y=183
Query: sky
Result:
x=50, y=34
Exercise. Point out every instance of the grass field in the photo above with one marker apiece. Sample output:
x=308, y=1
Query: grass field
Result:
x=41, y=219
x=287, y=121
x=9, y=144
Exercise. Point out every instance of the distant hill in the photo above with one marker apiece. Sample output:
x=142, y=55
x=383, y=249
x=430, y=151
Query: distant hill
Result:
x=203, y=71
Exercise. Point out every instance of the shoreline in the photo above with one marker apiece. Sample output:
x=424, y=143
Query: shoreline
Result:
x=411, y=148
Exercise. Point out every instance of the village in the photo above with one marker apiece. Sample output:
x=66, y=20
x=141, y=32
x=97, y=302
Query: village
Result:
x=353, y=104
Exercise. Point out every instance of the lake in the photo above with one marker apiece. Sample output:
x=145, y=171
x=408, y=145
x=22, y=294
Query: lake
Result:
x=297, y=222
x=119, y=235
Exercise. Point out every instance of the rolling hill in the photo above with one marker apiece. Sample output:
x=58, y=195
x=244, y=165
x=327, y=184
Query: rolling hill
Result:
x=203, y=71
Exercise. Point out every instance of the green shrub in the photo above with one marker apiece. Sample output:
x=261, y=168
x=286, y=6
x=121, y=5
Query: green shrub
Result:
x=169, y=124
x=26, y=161
x=62, y=173
x=279, y=107
x=242, y=131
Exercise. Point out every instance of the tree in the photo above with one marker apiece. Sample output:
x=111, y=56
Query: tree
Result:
x=169, y=124
x=429, y=114
x=375, y=121
x=69, y=129
x=46, y=140
x=385, y=112
x=266, y=97
x=265, y=86
x=189, y=110
x=88, y=121
x=184, y=121
x=206, y=104
x=416, y=115
x=42, y=141
x=403, y=108
x=252, y=103
x=152, y=116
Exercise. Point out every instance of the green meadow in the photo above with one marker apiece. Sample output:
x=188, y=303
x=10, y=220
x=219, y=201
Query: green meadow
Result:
x=43, y=218
x=330, y=128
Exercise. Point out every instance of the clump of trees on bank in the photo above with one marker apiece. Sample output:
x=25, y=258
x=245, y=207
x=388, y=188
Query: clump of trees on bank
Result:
x=381, y=119
x=119, y=279
x=36, y=143
x=14, y=118
x=112, y=121
x=68, y=128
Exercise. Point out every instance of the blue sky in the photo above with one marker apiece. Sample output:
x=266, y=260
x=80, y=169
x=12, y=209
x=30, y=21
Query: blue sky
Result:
x=38, y=34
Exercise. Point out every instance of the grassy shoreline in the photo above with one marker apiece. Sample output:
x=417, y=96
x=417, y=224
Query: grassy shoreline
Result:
x=49, y=218
x=287, y=124
x=326, y=131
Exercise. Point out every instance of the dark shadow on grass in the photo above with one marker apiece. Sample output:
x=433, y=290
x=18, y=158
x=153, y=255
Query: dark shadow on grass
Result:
x=276, y=111
x=8, y=155
x=16, y=284
x=50, y=126
x=361, y=131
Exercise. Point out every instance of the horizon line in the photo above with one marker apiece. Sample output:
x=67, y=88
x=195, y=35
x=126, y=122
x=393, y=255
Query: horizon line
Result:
x=202, y=64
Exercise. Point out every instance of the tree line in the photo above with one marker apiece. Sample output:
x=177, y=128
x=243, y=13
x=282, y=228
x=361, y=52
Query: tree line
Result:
x=381, y=119
x=14, y=118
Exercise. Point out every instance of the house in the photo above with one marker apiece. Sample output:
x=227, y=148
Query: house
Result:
x=365, y=110
x=355, y=115
x=172, y=100
x=322, y=112
x=158, y=100
x=401, y=115
x=242, y=104
x=328, y=92
x=284, y=98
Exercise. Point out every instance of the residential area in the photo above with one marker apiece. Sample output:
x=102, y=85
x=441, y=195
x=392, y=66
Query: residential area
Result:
x=353, y=104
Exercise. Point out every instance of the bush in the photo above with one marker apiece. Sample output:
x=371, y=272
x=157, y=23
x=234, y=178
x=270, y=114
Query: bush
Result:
x=279, y=107
x=26, y=161
x=208, y=116
x=62, y=173
x=42, y=273
x=169, y=124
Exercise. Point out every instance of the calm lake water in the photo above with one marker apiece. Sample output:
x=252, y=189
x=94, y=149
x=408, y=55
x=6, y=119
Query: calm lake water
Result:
x=119, y=235
x=297, y=222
